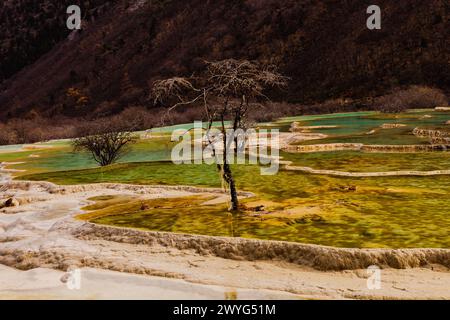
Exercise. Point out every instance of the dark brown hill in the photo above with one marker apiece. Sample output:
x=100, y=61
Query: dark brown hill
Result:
x=30, y=28
x=323, y=45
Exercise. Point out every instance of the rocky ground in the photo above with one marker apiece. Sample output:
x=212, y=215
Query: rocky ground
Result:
x=43, y=283
x=40, y=237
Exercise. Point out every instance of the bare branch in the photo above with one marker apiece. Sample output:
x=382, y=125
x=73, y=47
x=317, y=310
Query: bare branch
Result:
x=104, y=141
x=226, y=88
x=173, y=87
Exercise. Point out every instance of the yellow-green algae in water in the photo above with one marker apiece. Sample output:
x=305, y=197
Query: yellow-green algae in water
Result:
x=395, y=212
x=188, y=215
x=357, y=161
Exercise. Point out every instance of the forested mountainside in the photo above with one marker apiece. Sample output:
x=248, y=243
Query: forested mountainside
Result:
x=124, y=45
x=30, y=28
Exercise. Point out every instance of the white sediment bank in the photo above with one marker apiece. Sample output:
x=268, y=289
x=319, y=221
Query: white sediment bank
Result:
x=5, y=175
x=364, y=148
x=336, y=173
x=42, y=233
x=44, y=283
x=314, y=256
x=42, y=238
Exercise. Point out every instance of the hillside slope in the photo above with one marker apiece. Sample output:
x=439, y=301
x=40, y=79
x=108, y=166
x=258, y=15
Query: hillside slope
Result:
x=323, y=45
x=30, y=28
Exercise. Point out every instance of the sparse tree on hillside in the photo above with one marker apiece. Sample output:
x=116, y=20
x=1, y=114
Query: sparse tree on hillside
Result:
x=226, y=91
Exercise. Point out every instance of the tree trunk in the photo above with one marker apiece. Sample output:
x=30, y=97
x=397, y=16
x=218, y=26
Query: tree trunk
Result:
x=226, y=173
x=228, y=177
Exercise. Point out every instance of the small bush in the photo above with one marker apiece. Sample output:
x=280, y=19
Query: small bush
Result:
x=19, y=131
x=134, y=118
x=6, y=135
x=105, y=140
x=415, y=97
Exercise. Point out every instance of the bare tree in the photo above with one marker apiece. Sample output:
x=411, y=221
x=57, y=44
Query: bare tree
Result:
x=227, y=90
x=106, y=141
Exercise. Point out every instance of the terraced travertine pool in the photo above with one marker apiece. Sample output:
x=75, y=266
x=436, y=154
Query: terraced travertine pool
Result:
x=395, y=212
x=358, y=127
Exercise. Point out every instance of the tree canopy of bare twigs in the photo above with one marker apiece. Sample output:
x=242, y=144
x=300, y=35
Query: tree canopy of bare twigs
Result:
x=227, y=90
x=105, y=140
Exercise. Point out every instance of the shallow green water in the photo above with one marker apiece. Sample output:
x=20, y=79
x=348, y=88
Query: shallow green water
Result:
x=354, y=161
x=345, y=229
x=355, y=127
x=186, y=127
x=159, y=149
x=381, y=212
x=63, y=158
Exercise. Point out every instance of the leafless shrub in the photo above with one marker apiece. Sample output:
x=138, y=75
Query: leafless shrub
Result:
x=174, y=87
x=19, y=131
x=7, y=136
x=414, y=97
x=134, y=118
x=105, y=141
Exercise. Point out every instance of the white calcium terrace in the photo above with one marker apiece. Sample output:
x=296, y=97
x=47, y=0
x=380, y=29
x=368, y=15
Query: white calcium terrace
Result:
x=42, y=233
